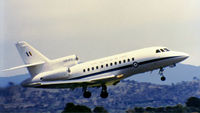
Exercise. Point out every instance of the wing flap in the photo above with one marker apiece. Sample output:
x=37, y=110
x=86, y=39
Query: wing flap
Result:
x=80, y=81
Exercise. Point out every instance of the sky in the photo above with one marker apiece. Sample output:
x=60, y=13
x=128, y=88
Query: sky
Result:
x=97, y=28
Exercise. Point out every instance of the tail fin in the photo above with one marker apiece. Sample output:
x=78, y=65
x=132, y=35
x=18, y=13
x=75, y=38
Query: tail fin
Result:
x=31, y=56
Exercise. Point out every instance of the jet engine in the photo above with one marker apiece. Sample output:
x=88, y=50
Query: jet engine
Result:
x=58, y=74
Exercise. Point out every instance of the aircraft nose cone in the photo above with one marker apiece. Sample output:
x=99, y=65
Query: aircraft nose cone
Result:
x=184, y=56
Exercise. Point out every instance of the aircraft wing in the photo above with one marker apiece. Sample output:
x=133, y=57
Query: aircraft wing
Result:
x=78, y=82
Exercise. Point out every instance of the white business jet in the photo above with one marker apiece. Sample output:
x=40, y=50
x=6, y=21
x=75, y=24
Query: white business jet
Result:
x=68, y=72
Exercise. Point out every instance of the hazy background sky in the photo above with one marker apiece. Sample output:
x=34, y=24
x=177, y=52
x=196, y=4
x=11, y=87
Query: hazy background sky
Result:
x=98, y=28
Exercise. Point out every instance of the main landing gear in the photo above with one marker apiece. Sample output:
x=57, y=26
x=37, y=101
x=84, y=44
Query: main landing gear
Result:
x=104, y=93
x=87, y=94
x=163, y=78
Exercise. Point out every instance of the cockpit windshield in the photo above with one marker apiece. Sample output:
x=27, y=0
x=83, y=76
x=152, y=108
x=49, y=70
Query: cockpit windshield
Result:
x=158, y=51
x=166, y=49
x=162, y=50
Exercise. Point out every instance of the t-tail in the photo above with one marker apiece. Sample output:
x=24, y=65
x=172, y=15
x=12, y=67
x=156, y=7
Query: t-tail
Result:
x=29, y=54
x=32, y=58
x=38, y=64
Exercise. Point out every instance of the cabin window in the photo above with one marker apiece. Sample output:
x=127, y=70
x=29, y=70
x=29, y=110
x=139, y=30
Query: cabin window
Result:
x=92, y=68
x=133, y=59
x=97, y=67
x=106, y=65
x=128, y=60
x=77, y=58
x=101, y=66
x=115, y=63
x=111, y=64
x=68, y=70
x=120, y=62
x=158, y=51
x=83, y=70
x=124, y=61
x=88, y=69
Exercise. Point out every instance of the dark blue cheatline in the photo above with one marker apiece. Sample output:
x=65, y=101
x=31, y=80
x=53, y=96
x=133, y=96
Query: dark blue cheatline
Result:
x=123, y=67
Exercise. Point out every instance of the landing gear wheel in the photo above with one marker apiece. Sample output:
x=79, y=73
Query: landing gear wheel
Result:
x=104, y=94
x=87, y=94
x=163, y=78
x=135, y=64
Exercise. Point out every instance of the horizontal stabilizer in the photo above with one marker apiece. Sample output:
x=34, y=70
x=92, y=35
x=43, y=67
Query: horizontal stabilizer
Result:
x=24, y=66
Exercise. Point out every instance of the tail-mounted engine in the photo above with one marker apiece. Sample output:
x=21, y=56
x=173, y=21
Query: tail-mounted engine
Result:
x=67, y=61
x=59, y=74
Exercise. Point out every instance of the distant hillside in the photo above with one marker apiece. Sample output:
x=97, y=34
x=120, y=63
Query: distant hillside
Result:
x=123, y=96
x=4, y=81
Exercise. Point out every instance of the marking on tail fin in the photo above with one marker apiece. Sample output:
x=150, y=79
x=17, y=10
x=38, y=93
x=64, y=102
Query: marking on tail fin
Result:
x=27, y=54
x=30, y=53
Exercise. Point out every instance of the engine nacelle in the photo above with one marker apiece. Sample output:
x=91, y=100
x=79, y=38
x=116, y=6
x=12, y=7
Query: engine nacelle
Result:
x=67, y=61
x=58, y=74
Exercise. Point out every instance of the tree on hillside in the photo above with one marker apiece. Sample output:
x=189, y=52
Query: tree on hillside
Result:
x=71, y=108
x=139, y=109
x=193, y=102
x=99, y=109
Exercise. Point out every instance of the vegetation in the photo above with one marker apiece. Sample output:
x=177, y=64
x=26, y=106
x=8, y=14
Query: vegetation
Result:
x=71, y=108
x=100, y=109
x=192, y=106
x=125, y=95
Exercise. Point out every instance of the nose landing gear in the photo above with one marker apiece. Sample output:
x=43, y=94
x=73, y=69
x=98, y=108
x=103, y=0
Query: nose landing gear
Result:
x=163, y=78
